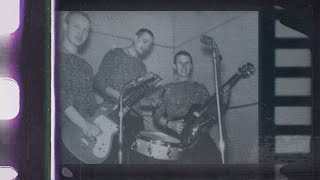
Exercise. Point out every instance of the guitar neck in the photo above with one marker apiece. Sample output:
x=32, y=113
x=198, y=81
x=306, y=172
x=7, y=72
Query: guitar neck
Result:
x=231, y=82
x=129, y=101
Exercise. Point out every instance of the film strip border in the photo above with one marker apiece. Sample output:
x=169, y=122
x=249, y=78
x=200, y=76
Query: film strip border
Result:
x=273, y=134
x=10, y=90
x=25, y=89
x=285, y=96
x=285, y=126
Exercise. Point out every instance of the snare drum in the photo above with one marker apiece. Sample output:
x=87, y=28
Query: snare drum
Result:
x=157, y=145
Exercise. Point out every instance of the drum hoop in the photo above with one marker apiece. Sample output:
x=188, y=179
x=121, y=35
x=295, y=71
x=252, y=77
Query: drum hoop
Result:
x=155, y=153
x=157, y=141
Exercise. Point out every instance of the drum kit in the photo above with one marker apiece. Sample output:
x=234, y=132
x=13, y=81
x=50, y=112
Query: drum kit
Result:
x=157, y=145
x=153, y=143
x=161, y=146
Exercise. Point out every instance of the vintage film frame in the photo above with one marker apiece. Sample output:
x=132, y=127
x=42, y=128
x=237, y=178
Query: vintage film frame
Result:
x=268, y=101
x=10, y=82
x=27, y=62
x=35, y=99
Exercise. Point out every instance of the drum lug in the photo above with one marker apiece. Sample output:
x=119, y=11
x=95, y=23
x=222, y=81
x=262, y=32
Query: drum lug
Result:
x=150, y=149
x=134, y=146
x=169, y=153
x=194, y=131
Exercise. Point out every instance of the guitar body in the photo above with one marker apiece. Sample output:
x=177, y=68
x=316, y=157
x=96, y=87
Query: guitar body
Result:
x=198, y=116
x=90, y=150
x=191, y=130
x=97, y=150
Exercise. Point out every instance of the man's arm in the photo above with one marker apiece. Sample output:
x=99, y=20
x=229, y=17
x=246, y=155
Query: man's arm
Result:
x=67, y=99
x=177, y=125
x=226, y=94
x=101, y=78
x=75, y=117
x=212, y=104
x=112, y=92
x=158, y=115
x=88, y=128
x=163, y=122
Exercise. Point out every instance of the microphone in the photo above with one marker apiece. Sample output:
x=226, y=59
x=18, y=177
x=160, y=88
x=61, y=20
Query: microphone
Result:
x=207, y=40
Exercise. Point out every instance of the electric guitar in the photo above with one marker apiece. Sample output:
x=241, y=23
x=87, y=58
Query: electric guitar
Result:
x=96, y=150
x=198, y=116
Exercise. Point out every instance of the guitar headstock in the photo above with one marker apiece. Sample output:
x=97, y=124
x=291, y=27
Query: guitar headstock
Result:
x=156, y=80
x=246, y=70
x=151, y=79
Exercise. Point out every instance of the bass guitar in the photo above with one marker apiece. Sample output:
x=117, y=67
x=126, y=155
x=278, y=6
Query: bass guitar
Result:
x=198, y=116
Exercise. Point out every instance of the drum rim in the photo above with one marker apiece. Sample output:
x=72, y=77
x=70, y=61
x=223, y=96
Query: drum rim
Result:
x=159, y=142
x=141, y=150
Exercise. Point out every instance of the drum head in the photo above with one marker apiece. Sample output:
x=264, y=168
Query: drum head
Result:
x=160, y=136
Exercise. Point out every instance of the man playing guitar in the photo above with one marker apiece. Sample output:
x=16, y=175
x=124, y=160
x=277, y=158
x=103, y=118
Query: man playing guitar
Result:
x=77, y=102
x=177, y=100
x=118, y=67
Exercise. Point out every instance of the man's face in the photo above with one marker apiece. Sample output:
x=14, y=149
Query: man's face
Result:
x=183, y=66
x=77, y=29
x=143, y=43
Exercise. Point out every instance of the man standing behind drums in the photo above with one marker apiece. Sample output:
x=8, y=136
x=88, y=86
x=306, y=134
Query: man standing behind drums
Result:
x=120, y=66
x=178, y=98
x=76, y=80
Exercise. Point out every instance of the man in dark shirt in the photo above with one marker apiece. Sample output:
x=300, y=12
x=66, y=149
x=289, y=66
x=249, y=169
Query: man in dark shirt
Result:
x=118, y=67
x=121, y=65
x=178, y=98
x=77, y=101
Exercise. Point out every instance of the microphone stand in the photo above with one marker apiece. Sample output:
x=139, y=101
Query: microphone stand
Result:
x=215, y=66
x=121, y=114
x=121, y=130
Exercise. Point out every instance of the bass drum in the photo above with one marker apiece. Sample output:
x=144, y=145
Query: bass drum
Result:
x=157, y=145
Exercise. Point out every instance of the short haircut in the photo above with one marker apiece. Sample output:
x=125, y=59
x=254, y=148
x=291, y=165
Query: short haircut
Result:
x=144, y=30
x=72, y=13
x=182, y=53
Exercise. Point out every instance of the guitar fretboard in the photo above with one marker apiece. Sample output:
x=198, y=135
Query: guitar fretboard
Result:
x=132, y=98
x=231, y=82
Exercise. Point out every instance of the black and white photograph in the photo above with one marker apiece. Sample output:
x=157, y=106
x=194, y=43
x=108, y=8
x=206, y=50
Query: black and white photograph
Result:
x=164, y=89
x=181, y=88
x=159, y=71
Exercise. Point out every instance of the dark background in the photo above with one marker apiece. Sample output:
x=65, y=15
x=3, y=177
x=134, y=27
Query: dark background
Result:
x=32, y=147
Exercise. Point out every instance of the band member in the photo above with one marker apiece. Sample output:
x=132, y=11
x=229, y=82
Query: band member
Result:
x=77, y=102
x=178, y=98
x=118, y=67
x=121, y=65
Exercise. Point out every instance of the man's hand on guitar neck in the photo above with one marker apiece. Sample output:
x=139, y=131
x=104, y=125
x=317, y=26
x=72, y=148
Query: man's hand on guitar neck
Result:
x=226, y=94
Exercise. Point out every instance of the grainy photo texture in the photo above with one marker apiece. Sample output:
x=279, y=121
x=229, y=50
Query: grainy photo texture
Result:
x=164, y=68
x=181, y=88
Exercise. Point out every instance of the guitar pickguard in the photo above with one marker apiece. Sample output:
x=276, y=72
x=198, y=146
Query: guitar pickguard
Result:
x=98, y=149
x=104, y=143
